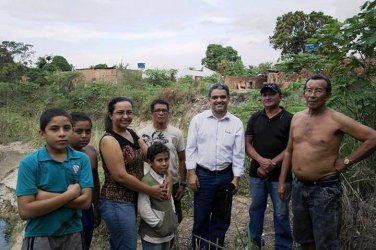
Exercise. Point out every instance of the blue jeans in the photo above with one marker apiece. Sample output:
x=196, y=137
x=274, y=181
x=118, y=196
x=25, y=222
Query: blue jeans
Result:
x=206, y=224
x=155, y=246
x=259, y=197
x=120, y=218
x=317, y=213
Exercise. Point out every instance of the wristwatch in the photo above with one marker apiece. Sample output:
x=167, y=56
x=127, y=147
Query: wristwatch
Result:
x=346, y=161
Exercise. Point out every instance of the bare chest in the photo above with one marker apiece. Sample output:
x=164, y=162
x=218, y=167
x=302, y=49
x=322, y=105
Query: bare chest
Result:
x=317, y=131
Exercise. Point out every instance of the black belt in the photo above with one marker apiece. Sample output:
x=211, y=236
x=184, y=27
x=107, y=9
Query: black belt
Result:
x=216, y=171
x=323, y=181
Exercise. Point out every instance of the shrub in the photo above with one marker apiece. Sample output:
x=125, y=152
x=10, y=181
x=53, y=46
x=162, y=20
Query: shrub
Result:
x=160, y=77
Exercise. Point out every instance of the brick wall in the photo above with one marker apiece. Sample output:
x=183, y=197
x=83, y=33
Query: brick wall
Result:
x=245, y=82
x=104, y=75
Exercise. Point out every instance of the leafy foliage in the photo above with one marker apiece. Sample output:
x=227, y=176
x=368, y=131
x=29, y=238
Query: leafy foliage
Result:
x=224, y=60
x=100, y=66
x=61, y=63
x=160, y=77
x=294, y=28
x=53, y=63
x=11, y=72
x=18, y=52
x=350, y=52
x=261, y=69
x=14, y=57
x=296, y=62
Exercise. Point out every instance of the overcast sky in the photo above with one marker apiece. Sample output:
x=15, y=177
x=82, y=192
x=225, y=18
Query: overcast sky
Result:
x=160, y=33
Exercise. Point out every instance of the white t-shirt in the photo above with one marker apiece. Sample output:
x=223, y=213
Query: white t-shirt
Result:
x=172, y=137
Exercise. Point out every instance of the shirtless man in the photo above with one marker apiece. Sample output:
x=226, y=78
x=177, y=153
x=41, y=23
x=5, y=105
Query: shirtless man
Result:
x=313, y=152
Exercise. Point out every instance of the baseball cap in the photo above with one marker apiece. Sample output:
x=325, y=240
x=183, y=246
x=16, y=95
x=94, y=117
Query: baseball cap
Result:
x=272, y=86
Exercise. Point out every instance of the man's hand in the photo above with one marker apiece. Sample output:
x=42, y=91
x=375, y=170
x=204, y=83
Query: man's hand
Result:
x=261, y=172
x=339, y=165
x=193, y=182
x=266, y=166
x=235, y=181
x=179, y=192
x=282, y=190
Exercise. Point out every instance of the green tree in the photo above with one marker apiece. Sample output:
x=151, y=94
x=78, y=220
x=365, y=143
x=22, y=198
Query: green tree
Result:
x=43, y=61
x=61, y=63
x=19, y=52
x=14, y=57
x=294, y=28
x=290, y=63
x=222, y=59
x=100, y=66
x=53, y=63
x=5, y=56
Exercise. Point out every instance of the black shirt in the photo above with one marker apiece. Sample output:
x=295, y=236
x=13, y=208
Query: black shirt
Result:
x=270, y=138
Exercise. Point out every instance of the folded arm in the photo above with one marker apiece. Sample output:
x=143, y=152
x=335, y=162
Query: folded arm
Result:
x=30, y=207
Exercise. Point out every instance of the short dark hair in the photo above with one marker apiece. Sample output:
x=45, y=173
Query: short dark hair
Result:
x=80, y=117
x=320, y=77
x=110, y=110
x=159, y=101
x=218, y=86
x=49, y=114
x=156, y=148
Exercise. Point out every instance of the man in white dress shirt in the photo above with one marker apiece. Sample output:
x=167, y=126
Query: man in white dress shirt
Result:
x=215, y=162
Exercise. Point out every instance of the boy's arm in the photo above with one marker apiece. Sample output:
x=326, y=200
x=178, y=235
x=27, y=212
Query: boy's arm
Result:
x=92, y=153
x=30, y=207
x=83, y=201
x=145, y=210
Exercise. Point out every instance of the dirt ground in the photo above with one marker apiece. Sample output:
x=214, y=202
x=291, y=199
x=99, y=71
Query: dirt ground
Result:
x=10, y=155
x=236, y=237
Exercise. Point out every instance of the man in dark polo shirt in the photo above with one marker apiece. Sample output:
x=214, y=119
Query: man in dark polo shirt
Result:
x=266, y=138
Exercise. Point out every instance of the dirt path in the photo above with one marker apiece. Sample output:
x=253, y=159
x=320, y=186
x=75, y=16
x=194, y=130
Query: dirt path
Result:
x=10, y=155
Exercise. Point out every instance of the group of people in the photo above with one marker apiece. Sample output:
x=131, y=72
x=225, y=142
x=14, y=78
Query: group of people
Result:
x=147, y=172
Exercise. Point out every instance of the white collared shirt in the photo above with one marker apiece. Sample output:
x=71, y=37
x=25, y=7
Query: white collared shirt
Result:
x=214, y=143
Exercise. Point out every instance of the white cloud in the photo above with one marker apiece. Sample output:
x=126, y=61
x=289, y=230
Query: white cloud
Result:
x=160, y=33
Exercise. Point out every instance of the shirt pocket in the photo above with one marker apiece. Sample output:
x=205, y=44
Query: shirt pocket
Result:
x=228, y=138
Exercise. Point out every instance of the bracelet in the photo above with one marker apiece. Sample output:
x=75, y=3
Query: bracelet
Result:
x=183, y=184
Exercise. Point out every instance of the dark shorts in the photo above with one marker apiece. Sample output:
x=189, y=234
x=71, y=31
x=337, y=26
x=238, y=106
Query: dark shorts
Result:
x=317, y=212
x=67, y=242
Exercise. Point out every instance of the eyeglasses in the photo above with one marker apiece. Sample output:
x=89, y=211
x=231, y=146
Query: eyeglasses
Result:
x=314, y=91
x=164, y=111
x=123, y=112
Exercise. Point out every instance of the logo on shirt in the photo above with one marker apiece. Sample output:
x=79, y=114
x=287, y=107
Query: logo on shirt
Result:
x=155, y=136
x=76, y=168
